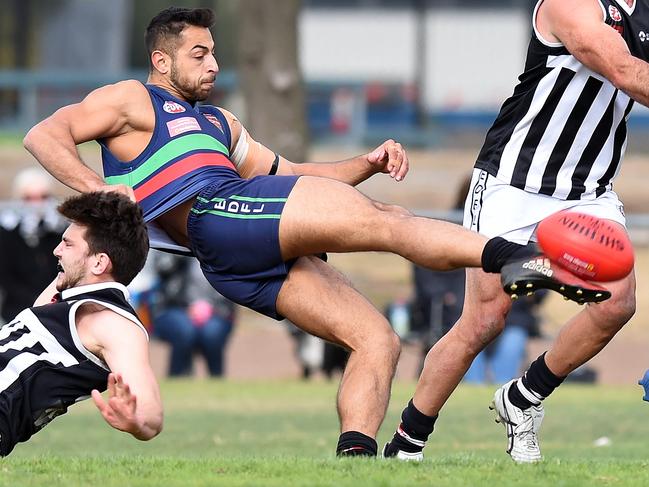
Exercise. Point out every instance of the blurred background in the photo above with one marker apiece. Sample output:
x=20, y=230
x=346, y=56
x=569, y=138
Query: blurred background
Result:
x=322, y=80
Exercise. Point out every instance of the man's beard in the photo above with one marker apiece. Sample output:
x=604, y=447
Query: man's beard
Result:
x=70, y=280
x=189, y=92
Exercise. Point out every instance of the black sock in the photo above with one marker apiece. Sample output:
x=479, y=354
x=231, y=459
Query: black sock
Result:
x=355, y=443
x=498, y=251
x=537, y=383
x=414, y=430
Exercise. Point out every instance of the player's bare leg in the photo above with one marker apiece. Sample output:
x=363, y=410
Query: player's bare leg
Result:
x=319, y=300
x=483, y=318
x=587, y=333
x=324, y=215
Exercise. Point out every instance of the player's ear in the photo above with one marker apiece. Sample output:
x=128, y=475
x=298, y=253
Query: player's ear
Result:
x=161, y=61
x=101, y=264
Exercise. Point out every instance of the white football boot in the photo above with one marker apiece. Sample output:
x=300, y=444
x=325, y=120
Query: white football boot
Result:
x=522, y=426
x=389, y=451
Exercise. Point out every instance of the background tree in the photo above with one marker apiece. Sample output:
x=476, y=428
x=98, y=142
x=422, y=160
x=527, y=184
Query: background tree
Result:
x=270, y=77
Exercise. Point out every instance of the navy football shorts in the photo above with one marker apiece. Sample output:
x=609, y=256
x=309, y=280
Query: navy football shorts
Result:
x=233, y=230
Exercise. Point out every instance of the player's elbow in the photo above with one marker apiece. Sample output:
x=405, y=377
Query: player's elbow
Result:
x=35, y=136
x=152, y=428
x=623, y=74
x=156, y=422
x=619, y=78
x=29, y=140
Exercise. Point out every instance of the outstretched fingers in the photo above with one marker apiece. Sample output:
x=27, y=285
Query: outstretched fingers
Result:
x=99, y=402
x=119, y=410
x=401, y=165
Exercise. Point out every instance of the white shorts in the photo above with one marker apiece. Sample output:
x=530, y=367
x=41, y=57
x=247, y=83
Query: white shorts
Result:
x=496, y=209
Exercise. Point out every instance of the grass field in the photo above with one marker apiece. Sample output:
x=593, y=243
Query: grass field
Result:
x=284, y=433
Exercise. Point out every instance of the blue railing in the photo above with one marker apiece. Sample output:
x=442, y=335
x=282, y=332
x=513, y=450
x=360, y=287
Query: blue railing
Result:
x=352, y=113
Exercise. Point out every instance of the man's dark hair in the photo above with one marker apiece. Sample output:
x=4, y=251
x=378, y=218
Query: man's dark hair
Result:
x=165, y=28
x=114, y=226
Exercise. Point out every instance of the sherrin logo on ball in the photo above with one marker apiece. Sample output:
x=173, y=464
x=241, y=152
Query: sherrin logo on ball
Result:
x=591, y=248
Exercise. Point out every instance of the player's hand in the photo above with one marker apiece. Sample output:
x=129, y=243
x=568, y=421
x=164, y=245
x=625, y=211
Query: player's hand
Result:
x=390, y=158
x=119, y=410
x=120, y=188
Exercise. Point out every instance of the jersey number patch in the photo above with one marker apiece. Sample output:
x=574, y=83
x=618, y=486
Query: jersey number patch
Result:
x=32, y=342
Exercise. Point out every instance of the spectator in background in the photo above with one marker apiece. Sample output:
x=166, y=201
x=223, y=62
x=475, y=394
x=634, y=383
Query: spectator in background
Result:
x=437, y=304
x=189, y=314
x=30, y=227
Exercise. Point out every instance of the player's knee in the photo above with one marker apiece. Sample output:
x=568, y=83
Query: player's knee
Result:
x=481, y=327
x=617, y=311
x=396, y=209
x=485, y=331
x=394, y=347
x=390, y=344
x=384, y=346
x=385, y=227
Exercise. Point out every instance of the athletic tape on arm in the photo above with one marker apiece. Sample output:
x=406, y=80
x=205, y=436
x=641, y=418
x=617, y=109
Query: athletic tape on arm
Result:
x=244, y=148
x=240, y=151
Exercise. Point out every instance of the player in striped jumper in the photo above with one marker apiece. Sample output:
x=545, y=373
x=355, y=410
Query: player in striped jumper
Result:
x=556, y=144
x=82, y=335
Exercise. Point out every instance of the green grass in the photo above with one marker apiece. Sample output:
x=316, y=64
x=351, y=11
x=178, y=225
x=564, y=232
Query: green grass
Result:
x=284, y=433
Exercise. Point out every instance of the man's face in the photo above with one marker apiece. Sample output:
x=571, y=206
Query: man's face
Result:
x=74, y=261
x=193, y=65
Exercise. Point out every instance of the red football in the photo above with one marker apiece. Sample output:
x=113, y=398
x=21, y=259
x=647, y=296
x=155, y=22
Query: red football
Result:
x=590, y=247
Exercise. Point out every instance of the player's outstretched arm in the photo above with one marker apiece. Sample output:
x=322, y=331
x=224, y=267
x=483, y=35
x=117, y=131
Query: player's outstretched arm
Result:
x=579, y=25
x=120, y=411
x=253, y=159
x=53, y=142
x=133, y=404
x=388, y=158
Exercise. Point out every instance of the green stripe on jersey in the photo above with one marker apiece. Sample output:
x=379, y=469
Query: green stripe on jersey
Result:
x=166, y=153
x=226, y=214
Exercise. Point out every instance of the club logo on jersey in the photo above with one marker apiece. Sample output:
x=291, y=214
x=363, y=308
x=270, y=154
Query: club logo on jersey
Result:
x=182, y=125
x=215, y=121
x=614, y=13
x=173, y=107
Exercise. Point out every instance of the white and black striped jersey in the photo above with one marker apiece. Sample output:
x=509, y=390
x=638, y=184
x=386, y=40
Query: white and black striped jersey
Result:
x=563, y=131
x=44, y=367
